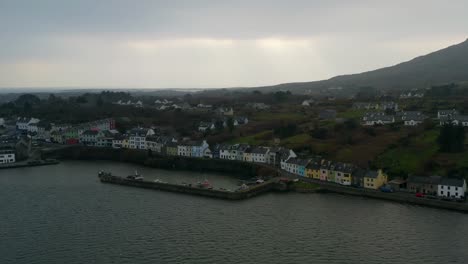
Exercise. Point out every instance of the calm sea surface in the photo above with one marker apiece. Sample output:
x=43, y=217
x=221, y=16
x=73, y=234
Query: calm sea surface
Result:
x=62, y=214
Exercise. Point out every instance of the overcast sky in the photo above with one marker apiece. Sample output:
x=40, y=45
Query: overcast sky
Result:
x=214, y=43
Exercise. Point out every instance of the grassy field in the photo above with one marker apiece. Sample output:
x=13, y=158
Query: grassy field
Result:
x=411, y=157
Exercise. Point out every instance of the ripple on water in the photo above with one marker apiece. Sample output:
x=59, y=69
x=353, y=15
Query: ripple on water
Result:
x=62, y=214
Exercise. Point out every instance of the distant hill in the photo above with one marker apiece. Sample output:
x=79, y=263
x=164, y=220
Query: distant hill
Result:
x=444, y=66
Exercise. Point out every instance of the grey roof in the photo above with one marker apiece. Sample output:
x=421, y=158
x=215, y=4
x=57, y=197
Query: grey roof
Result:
x=138, y=132
x=452, y=182
x=359, y=173
x=260, y=150
x=460, y=118
x=314, y=164
x=299, y=162
x=385, y=118
x=90, y=132
x=372, y=174
x=424, y=179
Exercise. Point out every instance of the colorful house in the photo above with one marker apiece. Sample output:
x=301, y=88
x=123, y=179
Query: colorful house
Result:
x=313, y=169
x=331, y=172
x=343, y=173
x=375, y=179
x=324, y=170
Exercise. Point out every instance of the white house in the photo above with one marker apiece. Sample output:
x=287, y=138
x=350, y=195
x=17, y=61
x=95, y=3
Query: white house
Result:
x=460, y=120
x=225, y=152
x=446, y=113
x=452, y=188
x=137, y=137
x=184, y=149
x=283, y=156
x=204, y=126
x=7, y=155
x=260, y=154
x=27, y=124
x=412, y=118
x=379, y=120
x=2, y=122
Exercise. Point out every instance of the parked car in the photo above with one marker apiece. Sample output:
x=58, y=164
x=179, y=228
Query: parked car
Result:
x=420, y=195
x=386, y=189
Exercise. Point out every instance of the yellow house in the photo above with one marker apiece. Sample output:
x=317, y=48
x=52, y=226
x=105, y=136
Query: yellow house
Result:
x=375, y=179
x=171, y=149
x=125, y=143
x=313, y=170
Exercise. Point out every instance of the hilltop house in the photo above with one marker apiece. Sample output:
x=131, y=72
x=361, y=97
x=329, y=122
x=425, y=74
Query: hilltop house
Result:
x=452, y=188
x=412, y=118
x=446, y=113
x=461, y=120
x=379, y=120
x=225, y=111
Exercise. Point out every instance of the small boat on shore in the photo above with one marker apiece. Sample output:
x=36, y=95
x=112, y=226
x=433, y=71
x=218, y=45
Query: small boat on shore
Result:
x=136, y=177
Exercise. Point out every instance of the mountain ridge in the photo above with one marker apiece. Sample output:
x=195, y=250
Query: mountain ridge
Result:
x=439, y=67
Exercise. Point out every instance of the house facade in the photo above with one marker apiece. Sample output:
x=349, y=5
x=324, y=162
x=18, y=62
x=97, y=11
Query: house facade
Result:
x=375, y=179
x=7, y=155
x=452, y=188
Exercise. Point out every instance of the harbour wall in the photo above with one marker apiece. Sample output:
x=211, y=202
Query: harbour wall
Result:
x=220, y=194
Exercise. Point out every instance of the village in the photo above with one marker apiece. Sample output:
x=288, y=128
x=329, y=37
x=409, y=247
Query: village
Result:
x=102, y=133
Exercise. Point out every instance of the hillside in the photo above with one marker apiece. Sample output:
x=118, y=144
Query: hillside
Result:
x=443, y=66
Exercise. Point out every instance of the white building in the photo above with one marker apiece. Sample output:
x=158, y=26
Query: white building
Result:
x=452, y=188
x=260, y=154
x=137, y=137
x=446, y=113
x=7, y=155
x=412, y=118
x=27, y=124
x=2, y=122
x=184, y=149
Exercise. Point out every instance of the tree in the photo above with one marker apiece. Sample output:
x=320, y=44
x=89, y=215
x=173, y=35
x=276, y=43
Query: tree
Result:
x=451, y=138
x=230, y=124
x=99, y=101
x=219, y=125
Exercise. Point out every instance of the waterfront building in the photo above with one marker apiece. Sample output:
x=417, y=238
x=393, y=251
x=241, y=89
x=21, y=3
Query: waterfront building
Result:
x=375, y=179
x=343, y=173
x=137, y=137
x=105, y=138
x=215, y=151
x=283, y=155
x=117, y=141
x=331, y=172
x=247, y=156
x=7, y=155
x=225, y=152
x=423, y=184
x=259, y=154
x=452, y=188
x=170, y=149
x=89, y=137
x=313, y=169
x=324, y=170
x=357, y=178
x=184, y=149
x=199, y=148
